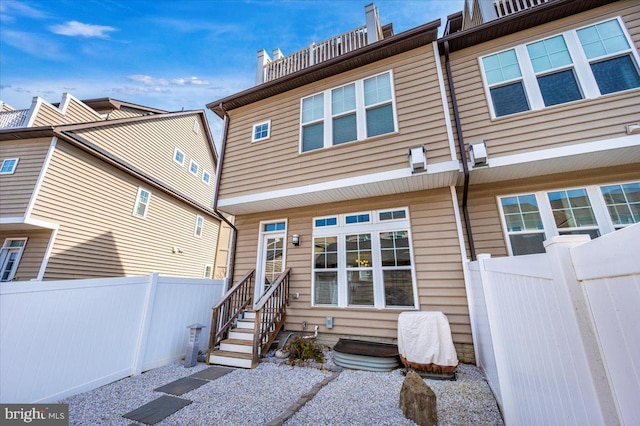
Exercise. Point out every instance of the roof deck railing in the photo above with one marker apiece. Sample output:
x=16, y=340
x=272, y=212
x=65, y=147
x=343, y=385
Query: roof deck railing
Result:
x=509, y=7
x=13, y=119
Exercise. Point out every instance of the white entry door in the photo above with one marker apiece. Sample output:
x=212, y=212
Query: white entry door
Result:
x=272, y=260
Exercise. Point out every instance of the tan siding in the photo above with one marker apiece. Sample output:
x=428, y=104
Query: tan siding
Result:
x=76, y=112
x=98, y=235
x=436, y=251
x=560, y=125
x=483, y=205
x=276, y=163
x=124, y=112
x=16, y=189
x=150, y=145
x=34, y=250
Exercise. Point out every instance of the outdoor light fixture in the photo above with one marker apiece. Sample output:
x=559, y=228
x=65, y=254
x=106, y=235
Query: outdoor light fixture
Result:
x=418, y=159
x=295, y=239
x=478, y=154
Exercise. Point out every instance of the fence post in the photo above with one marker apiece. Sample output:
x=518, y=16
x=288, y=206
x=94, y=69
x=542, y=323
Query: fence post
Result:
x=145, y=323
x=563, y=271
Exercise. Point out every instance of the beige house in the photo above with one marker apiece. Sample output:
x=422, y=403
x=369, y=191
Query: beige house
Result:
x=104, y=188
x=365, y=170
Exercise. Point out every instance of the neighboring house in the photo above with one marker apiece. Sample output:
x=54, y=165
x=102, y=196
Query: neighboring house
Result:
x=551, y=94
x=104, y=188
x=344, y=162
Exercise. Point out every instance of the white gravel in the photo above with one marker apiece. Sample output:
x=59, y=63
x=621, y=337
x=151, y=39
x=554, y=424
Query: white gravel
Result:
x=255, y=397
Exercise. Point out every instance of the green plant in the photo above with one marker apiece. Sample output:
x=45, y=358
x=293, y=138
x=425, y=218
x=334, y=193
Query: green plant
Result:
x=301, y=349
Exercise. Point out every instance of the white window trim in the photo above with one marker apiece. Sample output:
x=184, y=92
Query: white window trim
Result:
x=6, y=247
x=601, y=213
x=199, y=226
x=374, y=227
x=13, y=169
x=204, y=271
x=175, y=154
x=135, y=205
x=581, y=66
x=260, y=251
x=204, y=172
x=191, y=164
x=361, y=113
x=253, y=131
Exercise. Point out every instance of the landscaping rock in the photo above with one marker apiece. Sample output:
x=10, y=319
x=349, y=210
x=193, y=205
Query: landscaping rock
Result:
x=418, y=401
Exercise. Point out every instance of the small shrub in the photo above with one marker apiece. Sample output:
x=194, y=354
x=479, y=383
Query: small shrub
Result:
x=304, y=349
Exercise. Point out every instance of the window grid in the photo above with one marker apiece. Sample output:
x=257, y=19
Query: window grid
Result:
x=10, y=255
x=623, y=203
x=9, y=166
x=199, y=226
x=178, y=156
x=206, y=177
x=193, y=168
x=261, y=131
x=142, y=203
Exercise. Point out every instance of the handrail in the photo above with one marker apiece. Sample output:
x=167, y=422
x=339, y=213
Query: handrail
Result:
x=271, y=312
x=229, y=308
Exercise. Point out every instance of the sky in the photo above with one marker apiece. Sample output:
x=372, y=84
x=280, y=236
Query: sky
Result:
x=170, y=54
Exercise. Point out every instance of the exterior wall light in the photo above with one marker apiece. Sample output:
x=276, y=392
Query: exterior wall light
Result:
x=478, y=154
x=295, y=239
x=418, y=159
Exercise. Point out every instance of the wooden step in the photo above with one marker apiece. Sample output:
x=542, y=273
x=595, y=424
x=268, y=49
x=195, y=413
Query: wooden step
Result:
x=232, y=359
x=237, y=345
x=246, y=324
x=249, y=315
x=241, y=334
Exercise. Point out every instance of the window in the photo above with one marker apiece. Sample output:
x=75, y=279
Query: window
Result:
x=10, y=255
x=393, y=215
x=353, y=112
x=193, y=168
x=199, y=225
x=178, y=156
x=206, y=177
x=142, y=203
x=261, y=131
x=208, y=271
x=529, y=219
x=577, y=64
x=623, y=203
x=370, y=267
x=274, y=226
x=9, y=166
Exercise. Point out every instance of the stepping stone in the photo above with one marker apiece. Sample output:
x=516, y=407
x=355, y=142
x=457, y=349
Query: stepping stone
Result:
x=212, y=373
x=157, y=410
x=181, y=386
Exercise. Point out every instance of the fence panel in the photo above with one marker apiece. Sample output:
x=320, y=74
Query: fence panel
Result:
x=59, y=338
x=609, y=269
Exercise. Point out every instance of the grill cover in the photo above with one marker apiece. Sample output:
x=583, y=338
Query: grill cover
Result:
x=425, y=343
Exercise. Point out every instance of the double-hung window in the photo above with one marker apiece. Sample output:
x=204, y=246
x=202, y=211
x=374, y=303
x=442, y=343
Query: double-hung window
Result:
x=142, y=203
x=577, y=64
x=199, y=226
x=363, y=260
x=353, y=112
x=529, y=219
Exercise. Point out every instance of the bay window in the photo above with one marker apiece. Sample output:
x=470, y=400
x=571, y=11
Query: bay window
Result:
x=356, y=111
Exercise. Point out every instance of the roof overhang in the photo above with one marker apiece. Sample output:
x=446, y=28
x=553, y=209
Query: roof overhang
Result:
x=26, y=133
x=392, y=182
x=585, y=156
x=520, y=21
x=394, y=45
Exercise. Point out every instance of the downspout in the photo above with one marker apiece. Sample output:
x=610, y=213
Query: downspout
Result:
x=465, y=167
x=234, y=234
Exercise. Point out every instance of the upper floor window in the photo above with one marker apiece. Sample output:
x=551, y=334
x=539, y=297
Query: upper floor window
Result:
x=142, y=203
x=193, y=168
x=261, y=131
x=9, y=166
x=356, y=111
x=577, y=64
x=206, y=177
x=529, y=219
x=10, y=255
x=199, y=226
x=178, y=156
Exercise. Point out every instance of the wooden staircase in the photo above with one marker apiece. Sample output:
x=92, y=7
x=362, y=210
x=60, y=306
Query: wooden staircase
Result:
x=241, y=335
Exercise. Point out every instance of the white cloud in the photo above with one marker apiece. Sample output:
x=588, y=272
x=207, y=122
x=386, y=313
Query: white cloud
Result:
x=33, y=44
x=75, y=28
x=191, y=80
x=18, y=8
x=148, y=80
x=153, y=81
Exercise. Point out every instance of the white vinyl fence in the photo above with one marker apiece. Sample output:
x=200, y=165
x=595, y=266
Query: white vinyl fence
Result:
x=558, y=334
x=60, y=338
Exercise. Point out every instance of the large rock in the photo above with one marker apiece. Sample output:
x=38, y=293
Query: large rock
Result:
x=417, y=401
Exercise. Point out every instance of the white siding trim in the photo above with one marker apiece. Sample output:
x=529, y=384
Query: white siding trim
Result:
x=442, y=167
x=33, y=111
x=43, y=172
x=11, y=220
x=47, y=255
x=456, y=212
x=41, y=223
x=66, y=100
x=445, y=104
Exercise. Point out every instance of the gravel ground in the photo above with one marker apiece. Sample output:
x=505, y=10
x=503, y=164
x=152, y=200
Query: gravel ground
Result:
x=255, y=397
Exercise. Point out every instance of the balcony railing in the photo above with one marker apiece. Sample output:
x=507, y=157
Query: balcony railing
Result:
x=509, y=7
x=13, y=119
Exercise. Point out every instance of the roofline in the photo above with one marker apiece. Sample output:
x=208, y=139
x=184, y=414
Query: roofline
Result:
x=398, y=43
x=520, y=21
x=17, y=133
x=116, y=104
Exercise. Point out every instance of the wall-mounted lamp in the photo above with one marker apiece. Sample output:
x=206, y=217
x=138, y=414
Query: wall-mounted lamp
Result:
x=478, y=154
x=295, y=239
x=633, y=129
x=418, y=159
x=176, y=250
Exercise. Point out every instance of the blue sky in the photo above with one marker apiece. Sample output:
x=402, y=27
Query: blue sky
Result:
x=169, y=54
